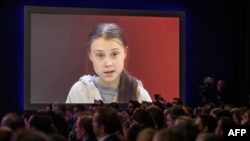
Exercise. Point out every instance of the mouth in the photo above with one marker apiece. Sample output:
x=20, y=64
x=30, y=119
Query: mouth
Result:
x=109, y=72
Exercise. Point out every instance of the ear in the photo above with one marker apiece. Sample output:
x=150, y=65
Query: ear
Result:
x=125, y=51
x=90, y=57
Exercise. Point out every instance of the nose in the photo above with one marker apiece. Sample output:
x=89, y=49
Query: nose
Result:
x=107, y=62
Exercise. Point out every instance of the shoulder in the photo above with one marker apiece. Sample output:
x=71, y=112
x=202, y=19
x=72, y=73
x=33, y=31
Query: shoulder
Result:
x=84, y=81
x=83, y=91
x=87, y=79
x=143, y=94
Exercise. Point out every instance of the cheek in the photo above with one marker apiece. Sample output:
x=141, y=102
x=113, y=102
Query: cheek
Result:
x=97, y=67
x=120, y=63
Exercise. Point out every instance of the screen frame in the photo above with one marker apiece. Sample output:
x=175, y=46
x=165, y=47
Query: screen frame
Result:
x=29, y=10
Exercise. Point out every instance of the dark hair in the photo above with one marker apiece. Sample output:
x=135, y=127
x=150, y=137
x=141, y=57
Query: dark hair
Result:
x=114, y=105
x=226, y=122
x=134, y=131
x=179, y=100
x=127, y=88
x=158, y=117
x=144, y=117
x=135, y=103
x=85, y=121
x=42, y=122
x=13, y=121
x=80, y=107
x=176, y=111
x=188, y=128
x=209, y=121
x=109, y=118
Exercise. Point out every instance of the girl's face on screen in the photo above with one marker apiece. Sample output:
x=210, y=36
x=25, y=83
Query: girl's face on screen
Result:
x=108, y=56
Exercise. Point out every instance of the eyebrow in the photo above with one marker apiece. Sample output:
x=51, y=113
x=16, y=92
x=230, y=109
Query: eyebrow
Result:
x=98, y=50
x=115, y=49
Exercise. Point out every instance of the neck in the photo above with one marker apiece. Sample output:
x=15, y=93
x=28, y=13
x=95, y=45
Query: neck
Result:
x=111, y=84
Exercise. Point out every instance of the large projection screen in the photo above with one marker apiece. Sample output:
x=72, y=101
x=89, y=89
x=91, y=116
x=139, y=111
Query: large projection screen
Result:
x=55, y=54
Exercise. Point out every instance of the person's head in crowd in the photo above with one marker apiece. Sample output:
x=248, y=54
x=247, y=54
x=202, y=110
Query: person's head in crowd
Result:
x=172, y=114
x=5, y=133
x=237, y=114
x=220, y=85
x=13, y=121
x=84, y=128
x=59, y=108
x=209, y=137
x=224, y=113
x=77, y=109
x=205, y=110
x=48, y=108
x=222, y=123
x=206, y=123
x=211, y=105
x=186, y=125
x=59, y=123
x=214, y=112
x=183, y=118
x=69, y=113
x=114, y=105
x=132, y=105
x=30, y=135
x=144, y=117
x=97, y=103
x=133, y=132
x=146, y=134
x=42, y=122
x=158, y=117
x=106, y=121
x=228, y=107
x=145, y=105
x=169, y=134
x=176, y=101
x=188, y=110
x=246, y=118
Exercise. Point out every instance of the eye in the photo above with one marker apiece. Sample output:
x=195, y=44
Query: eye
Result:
x=114, y=54
x=100, y=55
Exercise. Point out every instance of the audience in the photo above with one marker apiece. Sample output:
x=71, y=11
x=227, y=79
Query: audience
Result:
x=13, y=121
x=146, y=121
x=169, y=134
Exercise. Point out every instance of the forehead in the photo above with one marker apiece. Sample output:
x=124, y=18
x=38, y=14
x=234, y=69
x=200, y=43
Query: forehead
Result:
x=102, y=44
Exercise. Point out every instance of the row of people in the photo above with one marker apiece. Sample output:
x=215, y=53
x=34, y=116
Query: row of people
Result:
x=99, y=121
